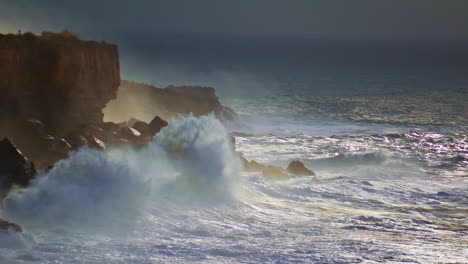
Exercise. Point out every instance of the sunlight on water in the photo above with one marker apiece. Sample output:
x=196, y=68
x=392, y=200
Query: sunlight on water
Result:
x=377, y=197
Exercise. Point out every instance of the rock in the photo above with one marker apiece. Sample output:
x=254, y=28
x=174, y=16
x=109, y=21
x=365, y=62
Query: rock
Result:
x=76, y=141
x=157, y=124
x=110, y=127
x=60, y=146
x=251, y=166
x=123, y=124
x=15, y=169
x=129, y=133
x=94, y=142
x=296, y=167
x=275, y=173
x=143, y=128
x=144, y=101
x=5, y=226
x=132, y=121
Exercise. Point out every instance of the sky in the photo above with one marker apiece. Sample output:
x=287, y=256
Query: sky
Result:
x=393, y=20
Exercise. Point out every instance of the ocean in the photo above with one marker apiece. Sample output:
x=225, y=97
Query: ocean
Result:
x=385, y=133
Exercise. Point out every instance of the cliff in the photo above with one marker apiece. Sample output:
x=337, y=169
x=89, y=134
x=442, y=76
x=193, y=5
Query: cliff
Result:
x=53, y=86
x=143, y=101
x=56, y=78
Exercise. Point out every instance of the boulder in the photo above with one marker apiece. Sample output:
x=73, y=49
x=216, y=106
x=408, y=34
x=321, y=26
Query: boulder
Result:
x=275, y=173
x=110, y=126
x=15, y=169
x=157, y=124
x=143, y=128
x=94, y=142
x=251, y=166
x=296, y=167
x=5, y=226
x=76, y=140
x=129, y=133
x=132, y=121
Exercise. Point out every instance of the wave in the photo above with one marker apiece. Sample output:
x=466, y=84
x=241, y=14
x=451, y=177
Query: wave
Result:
x=428, y=108
x=189, y=161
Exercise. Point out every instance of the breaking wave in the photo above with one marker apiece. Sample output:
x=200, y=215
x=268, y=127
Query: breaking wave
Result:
x=189, y=161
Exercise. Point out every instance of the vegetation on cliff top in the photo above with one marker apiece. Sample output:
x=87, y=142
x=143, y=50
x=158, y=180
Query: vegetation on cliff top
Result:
x=64, y=37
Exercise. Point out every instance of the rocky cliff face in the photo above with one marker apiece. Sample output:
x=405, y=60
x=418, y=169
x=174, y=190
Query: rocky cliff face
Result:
x=56, y=78
x=144, y=101
x=52, y=87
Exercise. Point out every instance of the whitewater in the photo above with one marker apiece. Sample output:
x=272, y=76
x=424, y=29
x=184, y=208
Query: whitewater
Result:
x=383, y=193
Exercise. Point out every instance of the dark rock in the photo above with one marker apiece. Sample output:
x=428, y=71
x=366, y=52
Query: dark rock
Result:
x=123, y=124
x=275, y=173
x=5, y=226
x=132, y=121
x=94, y=142
x=76, y=140
x=296, y=167
x=15, y=169
x=110, y=127
x=129, y=133
x=143, y=128
x=251, y=166
x=157, y=124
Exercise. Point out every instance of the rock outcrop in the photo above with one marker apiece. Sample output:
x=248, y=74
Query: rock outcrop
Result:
x=275, y=173
x=5, y=226
x=296, y=167
x=252, y=165
x=15, y=169
x=144, y=101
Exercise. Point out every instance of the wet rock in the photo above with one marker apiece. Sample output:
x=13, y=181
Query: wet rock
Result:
x=296, y=167
x=129, y=133
x=76, y=141
x=143, y=128
x=275, y=173
x=251, y=166
x=110, y=127
x=157, y=124
x=5, y=226
x=94, y=142
x=132, y=121
x=15, y=169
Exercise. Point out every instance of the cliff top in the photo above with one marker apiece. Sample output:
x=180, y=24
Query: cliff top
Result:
x=64, y=37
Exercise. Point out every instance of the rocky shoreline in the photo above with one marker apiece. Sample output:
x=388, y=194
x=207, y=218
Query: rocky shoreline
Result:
x=55, y=88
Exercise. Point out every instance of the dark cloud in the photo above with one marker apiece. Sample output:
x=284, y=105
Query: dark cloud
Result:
x=433, y=20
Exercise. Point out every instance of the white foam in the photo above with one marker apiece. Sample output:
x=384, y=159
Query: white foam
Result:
x=191, y=159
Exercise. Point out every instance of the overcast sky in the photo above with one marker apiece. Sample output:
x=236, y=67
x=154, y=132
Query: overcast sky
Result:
x=400, y=20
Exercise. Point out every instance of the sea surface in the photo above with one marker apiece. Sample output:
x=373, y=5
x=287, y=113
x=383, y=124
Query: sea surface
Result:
x=389, y=148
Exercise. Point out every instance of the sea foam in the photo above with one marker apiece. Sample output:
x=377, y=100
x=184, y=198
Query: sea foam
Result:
x=190, y=160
